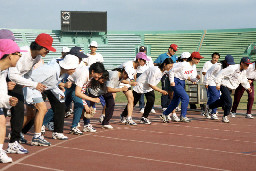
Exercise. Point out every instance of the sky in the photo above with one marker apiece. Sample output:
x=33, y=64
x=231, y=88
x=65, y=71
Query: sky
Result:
x=133, y=15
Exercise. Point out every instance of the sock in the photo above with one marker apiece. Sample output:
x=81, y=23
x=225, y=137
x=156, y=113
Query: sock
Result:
x=129, y=117
x=1, y=146
x=36, y=135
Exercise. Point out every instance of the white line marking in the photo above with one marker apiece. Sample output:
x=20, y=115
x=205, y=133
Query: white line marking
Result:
x=142, y=158
x=41, y=167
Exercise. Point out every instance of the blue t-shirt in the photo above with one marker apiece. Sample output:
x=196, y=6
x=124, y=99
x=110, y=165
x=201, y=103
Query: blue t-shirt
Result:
x=163, y=56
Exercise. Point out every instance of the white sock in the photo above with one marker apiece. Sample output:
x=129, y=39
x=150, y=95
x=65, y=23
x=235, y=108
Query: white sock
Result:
x=129, y=117
x=36, y=135
x=1, y=146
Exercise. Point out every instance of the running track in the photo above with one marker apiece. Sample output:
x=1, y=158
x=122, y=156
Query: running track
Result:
x=200, y=145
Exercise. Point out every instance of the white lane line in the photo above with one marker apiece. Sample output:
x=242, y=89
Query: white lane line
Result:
x=171, y=145
x=46, y=148
x=143, y=158
x=41, y=167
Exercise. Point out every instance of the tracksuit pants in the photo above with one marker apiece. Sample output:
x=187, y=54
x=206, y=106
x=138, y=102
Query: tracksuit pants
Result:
x=213, y=95
x=239, y=93
x=150, y=96
x=179, y=95
x=165, y=99
x=225, y=101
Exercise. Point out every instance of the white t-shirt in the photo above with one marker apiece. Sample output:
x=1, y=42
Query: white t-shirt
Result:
x=148, y=64
x=80, y=76
x=93, y=59
x=151, y=76
x=207, y=65
x=251, y=71
x=4, y=97
x=114, y=81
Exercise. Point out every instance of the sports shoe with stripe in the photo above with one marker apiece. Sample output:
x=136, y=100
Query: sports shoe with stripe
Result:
x=129, y=121
x=249, y=116
x=16, y=148
x=233, y=114
x=184, y=119
x=101, y=118
x=75, y=131
x=122, y=119
x=4, y=158
x=107, y=127
x=89, y=128
x=164, y=118
x=59, y=136
x=225, y=119
x=214, y=116
x=175, y=118
x=39, y=141
x=145, y=121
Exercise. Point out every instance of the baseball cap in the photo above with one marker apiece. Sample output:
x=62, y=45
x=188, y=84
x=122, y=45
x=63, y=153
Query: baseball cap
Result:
x=196, y=55
x=142, y=55
x=229, y=59
x=142, y=49
x=7, y=34
x=8, y=46
x=130, y=72
x=94, y=44
x=174, y=47
x=185, y=55
x=246, y=60
x=69, y=62
x=77, y=51
x=45, y=40
x=65, y=49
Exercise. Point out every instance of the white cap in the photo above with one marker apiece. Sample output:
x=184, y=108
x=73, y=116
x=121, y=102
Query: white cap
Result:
x=69, y=62
x=130, y=71
x=65, y=49
x=94, y=44
x=185, y=55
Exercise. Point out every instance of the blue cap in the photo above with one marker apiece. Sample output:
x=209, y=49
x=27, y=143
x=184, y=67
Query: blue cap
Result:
x=77, y=51
x=229, y=59
x=246, y=60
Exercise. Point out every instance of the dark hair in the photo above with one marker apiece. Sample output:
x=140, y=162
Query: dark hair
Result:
x=224, y=64
x=166, y=61
x=118, y=69
x=94, y=84
x=35, y=46
x=189, y=59
x=5, y=56
x=215, y=53
x=97, y=67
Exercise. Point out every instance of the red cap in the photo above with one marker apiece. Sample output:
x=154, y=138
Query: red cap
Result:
x=196, y=55
x=174, y=47
x=45, y=40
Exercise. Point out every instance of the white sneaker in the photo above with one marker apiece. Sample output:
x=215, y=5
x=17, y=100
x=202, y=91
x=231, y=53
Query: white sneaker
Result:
x=4, y=158
x=75, y=131
x=89, y=128
x=122, y=119
x=185, y=119
x=207, y=112
x=130, y=122
x=249, y=116
x=107, y=127
x=142, y=110
x=50, y=126
x=43, y=130
x=101, y=118
x=152, y=111
x=164, y=109
x=225, y=119
x=233, y=114
x=59, y=136
x=214, y=116
x=16, y=148
x=164, y=118
x=178, y=109
x=145, y=121
x=175, y=118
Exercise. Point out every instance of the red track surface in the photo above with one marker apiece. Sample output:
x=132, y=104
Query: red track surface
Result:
x=200, y=145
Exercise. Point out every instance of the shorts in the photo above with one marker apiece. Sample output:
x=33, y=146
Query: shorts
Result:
x=1, y=111
x=166, y=85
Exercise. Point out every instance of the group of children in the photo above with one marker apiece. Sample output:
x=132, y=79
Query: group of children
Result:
x=82, y=79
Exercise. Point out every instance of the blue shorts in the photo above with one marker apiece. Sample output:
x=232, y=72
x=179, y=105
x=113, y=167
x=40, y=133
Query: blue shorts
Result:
x=1, y=111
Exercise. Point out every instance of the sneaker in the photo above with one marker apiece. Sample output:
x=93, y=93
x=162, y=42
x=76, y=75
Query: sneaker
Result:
x=130, y=122
x=214, y=116
x=89, y=128
x=68, y=113
x=59, y=136
x=175, y=118
x=8, y=113
x=4, y=158
x=50, y=126
x=203, y=113
x=78, y=125
x=40, y=141
x=22, y=139
x=178, y=109
x=225, y=119
x=207, y=112
x=145, y=121
x=233, y=114
x=43, y=130
x=123, y=119
x=16, y=148
x=75, y=131
x=185, y=119
x=142, y=110
x=107, y=127
x=164, y=118
x=164, y=109
x=249, y=116
x=152, y=111
x=101, y=118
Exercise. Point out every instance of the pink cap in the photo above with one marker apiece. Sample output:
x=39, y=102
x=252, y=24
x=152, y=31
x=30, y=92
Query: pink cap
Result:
x=142, y=55
x=8, y=46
